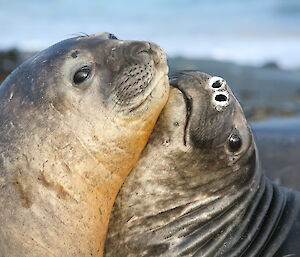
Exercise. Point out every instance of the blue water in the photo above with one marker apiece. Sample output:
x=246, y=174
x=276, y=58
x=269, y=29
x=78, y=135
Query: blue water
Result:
x=288, y=125
x=237, y=30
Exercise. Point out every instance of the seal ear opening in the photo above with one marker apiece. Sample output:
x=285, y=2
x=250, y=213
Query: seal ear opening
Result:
x=112, y=36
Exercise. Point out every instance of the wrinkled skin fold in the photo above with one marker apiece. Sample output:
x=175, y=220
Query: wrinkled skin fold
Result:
x=198, y=189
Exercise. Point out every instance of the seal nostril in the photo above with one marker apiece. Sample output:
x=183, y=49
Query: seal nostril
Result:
x=217, y=84
x=221, y=98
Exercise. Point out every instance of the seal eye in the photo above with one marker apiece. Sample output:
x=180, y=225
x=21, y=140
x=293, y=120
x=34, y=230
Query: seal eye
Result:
x=81, y=75
x=234, y=142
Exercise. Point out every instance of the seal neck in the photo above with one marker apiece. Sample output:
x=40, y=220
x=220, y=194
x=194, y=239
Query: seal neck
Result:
x=233, y=221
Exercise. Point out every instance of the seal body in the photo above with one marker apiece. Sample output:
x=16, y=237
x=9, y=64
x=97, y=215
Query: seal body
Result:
x=198, y=189
x=73, y=120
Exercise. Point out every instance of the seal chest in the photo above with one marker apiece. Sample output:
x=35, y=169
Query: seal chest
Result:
x=74, y=120
x=198, y=189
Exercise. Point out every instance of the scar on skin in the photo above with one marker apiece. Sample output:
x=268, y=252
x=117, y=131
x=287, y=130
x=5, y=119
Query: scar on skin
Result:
x=58, y=189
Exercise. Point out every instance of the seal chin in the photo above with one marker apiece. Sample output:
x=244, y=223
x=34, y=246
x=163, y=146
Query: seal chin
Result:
x=188, y=106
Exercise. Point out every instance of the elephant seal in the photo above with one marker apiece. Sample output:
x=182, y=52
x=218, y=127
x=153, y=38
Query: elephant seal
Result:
x=198, y=189
x=73, y=121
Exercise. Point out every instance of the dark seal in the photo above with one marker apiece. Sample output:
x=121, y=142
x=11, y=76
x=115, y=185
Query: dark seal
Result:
x=73, y=121
x=198, y=189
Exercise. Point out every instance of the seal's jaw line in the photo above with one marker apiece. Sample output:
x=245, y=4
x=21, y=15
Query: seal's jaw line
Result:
x=155, y=84
x=156, y=89
x=189, y=108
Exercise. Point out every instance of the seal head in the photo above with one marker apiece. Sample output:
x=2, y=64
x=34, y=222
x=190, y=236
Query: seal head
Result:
x=73, y=121
x=197, y=189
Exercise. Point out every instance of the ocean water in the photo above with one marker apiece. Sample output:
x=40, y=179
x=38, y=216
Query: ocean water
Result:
x=252, y=31
x=279, y=125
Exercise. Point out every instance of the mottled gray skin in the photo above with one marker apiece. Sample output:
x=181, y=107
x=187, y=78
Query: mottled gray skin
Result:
x=66, y=147
x=192, y=194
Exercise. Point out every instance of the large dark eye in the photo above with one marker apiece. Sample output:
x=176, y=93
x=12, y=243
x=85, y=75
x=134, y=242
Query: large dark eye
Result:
x=81, y=75
x=234, y=142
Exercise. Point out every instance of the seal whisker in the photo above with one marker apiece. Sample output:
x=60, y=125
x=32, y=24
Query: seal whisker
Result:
x=78, y=34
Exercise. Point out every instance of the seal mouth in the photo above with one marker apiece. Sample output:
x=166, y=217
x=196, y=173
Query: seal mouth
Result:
x=189, y=108
x=158, y=81
x=149, y=95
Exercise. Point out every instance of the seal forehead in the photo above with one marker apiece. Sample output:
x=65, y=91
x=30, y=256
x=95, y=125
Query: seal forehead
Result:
x=87, y=42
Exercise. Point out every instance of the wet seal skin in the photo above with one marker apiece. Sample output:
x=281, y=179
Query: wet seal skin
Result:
x=73, y=121
x=198, y=189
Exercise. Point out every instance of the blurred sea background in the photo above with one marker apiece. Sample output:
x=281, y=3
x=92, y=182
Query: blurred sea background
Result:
x=254, y=44
x=248, y=32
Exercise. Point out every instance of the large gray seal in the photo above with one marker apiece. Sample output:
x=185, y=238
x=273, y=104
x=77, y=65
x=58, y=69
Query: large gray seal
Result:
x=198, y=189
x=73, y=121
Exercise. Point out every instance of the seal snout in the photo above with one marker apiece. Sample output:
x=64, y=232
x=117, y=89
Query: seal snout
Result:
x=158, y=54
x=150, y=50
x=220, y=95
x=142, y=77
x=211, y=92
